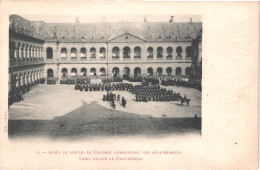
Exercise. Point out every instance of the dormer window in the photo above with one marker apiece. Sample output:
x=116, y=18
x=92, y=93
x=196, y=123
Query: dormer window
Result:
x=82, y=38
x=63, y=38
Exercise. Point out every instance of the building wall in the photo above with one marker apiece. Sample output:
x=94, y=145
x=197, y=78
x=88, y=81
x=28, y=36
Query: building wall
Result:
x=26, y=64
x=57, y=63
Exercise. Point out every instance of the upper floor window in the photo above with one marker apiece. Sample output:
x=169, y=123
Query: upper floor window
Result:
x=102, y=52
x=126, y=52
x=49, y=53
x=150, y=52
x=63, y=53
x=169, y=52
x=115, y=52
x=137, y=52
x=159, y=52
x=73, y=53
x=83, y=52
x=93, y=53
x=179, y=52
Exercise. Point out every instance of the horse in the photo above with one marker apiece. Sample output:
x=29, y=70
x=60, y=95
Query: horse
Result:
x=185, y=100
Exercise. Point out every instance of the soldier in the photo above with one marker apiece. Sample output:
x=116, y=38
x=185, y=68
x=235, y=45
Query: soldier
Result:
x=104, y=97
x=123, y=102
x=118, y=97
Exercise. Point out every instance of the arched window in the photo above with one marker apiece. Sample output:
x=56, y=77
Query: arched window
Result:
x=83, y=53
x=115, y=52
x=169, y=71
x=16, y=78
x=115, y=72
x=102, y=71
x=92, y=52
x=73, y=53
x=150, y=52
x=137, y=52
x=93, y=72
x=159, y=71
x=83, y=72
x=137, y=72
x=73, y=72
x=187, y=71
x=159, y=52
x=63, y=53
x=50, y=73
x=102, y=52
x=179, y=52
x=150, y=71
x=64, y=72
x=178, y=71
x=49, y=53
x=126, y=52
x=188, y=51
x=169, y=52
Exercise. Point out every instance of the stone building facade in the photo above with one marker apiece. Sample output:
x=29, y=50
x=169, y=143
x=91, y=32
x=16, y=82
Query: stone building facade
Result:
x=55, y=50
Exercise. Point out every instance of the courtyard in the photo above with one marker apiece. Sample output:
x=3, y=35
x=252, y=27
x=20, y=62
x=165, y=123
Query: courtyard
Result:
x=59, y=111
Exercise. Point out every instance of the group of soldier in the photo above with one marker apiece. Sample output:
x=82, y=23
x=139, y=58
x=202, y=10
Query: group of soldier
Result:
x=110, y=80
x=16, y=95
x=112, y=98
x=85, y=86
x=178, y=82
x=75, y=81
x=154, y=93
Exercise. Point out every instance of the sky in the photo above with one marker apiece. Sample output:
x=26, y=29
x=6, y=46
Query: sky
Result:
x=111, y=18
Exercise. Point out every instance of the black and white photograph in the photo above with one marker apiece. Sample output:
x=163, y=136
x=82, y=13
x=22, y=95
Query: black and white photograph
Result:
x=77, y=77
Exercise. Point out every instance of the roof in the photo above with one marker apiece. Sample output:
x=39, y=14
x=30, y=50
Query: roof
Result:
x=111, y=31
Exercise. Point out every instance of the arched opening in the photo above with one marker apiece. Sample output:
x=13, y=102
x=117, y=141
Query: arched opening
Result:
x=178, y=71
x=137, y=72
x=179, y=51
x=22, y=52
x=49, y=73
x=26, y=52
x=188, y=51
x=187, y=71
x=73, y=72
x=92, y=52
x=159, y=71
x=21, y=80
x=83, y=53
x=93, y=72
x=126, y=73
x=115, y=72
x=16, y=78
x=25, y=79
x=126, y=52
x=137, y=52
x=83, y=72
x=73, y=53
x=159, y=52
x=150, y=71
x=102, y=52
x=102, y=71
x=169, y=52
x=49, y=53
x=115, y=52
x=150, y=52
x=63, y=53
x=169, y=71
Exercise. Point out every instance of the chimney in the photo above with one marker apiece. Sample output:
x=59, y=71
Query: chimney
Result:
x=190, y=20
x=145, y=19
x=171, y=20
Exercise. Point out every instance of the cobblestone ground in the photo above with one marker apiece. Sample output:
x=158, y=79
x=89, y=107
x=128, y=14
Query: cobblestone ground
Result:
x=60, y=111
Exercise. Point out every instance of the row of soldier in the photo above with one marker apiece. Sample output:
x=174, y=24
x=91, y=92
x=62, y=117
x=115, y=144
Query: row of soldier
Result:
x=75, y=81
x=178, y=82
x=103, y=86
x=110, y=80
